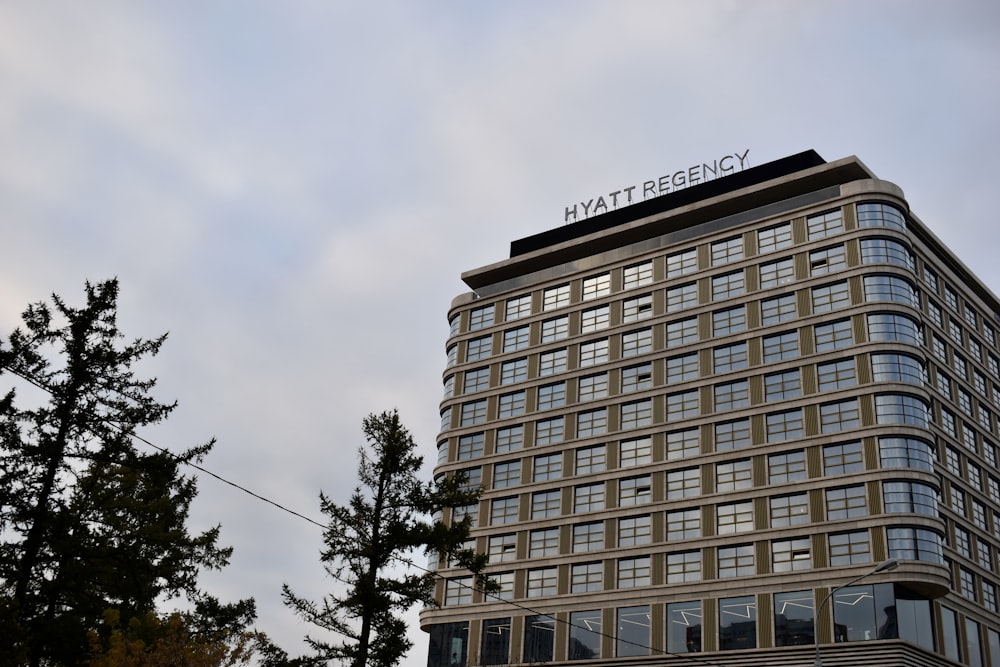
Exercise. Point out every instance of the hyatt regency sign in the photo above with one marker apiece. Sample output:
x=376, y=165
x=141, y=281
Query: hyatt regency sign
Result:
x=696, y=173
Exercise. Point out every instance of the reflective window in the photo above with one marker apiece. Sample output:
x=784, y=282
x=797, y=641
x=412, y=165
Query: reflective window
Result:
x=539, y=638
x=480, y=318
x=736, y=561
x=515, y=339
x=891, y=288
x=738, y=623
x=734, y=434
x=782, y=386
x=780, y=272
x=730, y=357
x=518, y=307
x=551, y=362
x=595, y=319
x=784, y=425
x=514, y=371
x=834, y=296
x=729, y=250
x=682, y=368
x=635, y=452
x=548, y=431
x=479, y=348
x=509, y=438
x=684, y=621
x=848, y=502
x=902, y=409
x=835, y=375
x=794, y=618
x=633, y=631
x=824, y=224
x=594, y=352
x=596, y=286
x=682, y=263
x=593, y=387
x=910, y=497
x=634, y=572
x=555, y=329
x=910, y=543
x=774, y=238
x=889, y=367
x=734, y=518
x=682, y=444
x=681, y=297
x=635, y=530
x=893, y=327
x=786, y=467
x=682, y=332
x=542, y=582
x=779, y=347
x=839, y=416
x=637, y=275
x=777, y=309
x=850, y=548
x=639, y=308
x=732, y=320
x=684, y=524
x=727, y=285
x=638, y=342
x=791, y=555
x=555, y=297
x=543, y=543
x=877, y=214
x=586, y=577
x=585, y=635
x=591, y=459
x=827, y=260
x=886, y=251
x=683, y=566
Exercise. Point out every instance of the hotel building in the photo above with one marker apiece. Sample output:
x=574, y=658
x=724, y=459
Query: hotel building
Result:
x=703, y=421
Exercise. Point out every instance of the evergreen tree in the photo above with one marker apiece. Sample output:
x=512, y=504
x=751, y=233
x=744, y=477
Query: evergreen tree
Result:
x=367, y=541
x=88, y=522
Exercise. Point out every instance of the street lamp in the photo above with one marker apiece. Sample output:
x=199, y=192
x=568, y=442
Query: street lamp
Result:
x=885, y=566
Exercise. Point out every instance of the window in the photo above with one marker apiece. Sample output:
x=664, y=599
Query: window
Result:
x=907, y=543
x=733, y=434
x=476, y=380
x=824, y=224
x=780, y=272
x=836, y=375
x=551, y=362
x=591, y=459
x=732, y=320
x=586, y=577
x=518, y=307
x=506, y=474
x=789, y=510
x=682, y=263
x=886, y=251
x=546, y=467
x=634, y=531
x=935, y=312
x=827, y=260
x=931, y=279
x=591, y=422
x=551, y=395
x=794, y=618
x=634, y=572
x=727, y=251
x=684, y=524
x=682, y=444
x=639, y=308
x=786, y=467
x=471, y=511
x=955, y=330
x=515, y=339
x=594, y=352
x=730, y=357
x=839, y=416
x=634, y=491
x=636, y=342
x=588, y=497
x=733, y=475
x=902, y=409
x=734, y=518
x=962, y=541
x=888, y=367
x=555, y=297
x=638, y=275
x=958, y=500
x=894, y=327
x=681, y=297
x=471, y=446
x=683, y=566
x=596, y=286
x=585, y=635
x=682, y=332
x=777, y=309
x=727, y=285
x=732, y=395
x=479, y=348
x=738, y=623
x=480, y=318
x=588, y=536
x=542, y=582
x=505, y=580
x=633, y=631
x=595, y=319
x=779, y=347
x=548, y=431
x=846, y=503
x=950, y=298
x=684, y=483
x=543, y=543
x=967, y=583
x=593, y=387
x=910, y=497
x=502, y=548
x=682, y=368
x=834, y=296
x=635, y=452
x=902, y=452
x=876, y=214
x=473, y=478
x=774, y=238
x=891, y=288
x=785, y=425
x=736, y=561
x=545, y=504
x=514, y=371
x=503, y=510
x=682, y=405
x=511, y=405
x=449, y=388
x=782, y=386
x=833, y=335
x=791, y=555
x=555, y=329
x=850, y=548
x=496, y=642
x=458, y=591
x=636, y=378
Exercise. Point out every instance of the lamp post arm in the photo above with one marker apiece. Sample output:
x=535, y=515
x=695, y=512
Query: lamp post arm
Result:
x=882, y=567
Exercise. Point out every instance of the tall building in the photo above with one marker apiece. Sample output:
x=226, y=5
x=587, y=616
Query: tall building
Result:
x=722, y=426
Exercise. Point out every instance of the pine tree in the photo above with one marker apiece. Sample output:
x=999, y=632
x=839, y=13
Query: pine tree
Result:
x=367, y=542
x=88, y=522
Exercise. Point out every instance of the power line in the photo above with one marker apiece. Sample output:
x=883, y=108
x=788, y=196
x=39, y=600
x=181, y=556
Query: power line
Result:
x=401, y=559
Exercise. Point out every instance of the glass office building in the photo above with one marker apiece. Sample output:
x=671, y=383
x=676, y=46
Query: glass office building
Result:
x=698, y=418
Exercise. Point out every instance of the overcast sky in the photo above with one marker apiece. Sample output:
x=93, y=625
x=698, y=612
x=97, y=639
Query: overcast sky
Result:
x=292, y=189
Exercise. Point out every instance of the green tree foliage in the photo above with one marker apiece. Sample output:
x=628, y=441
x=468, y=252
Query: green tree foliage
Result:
x=88, y=522
x=367, y=541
